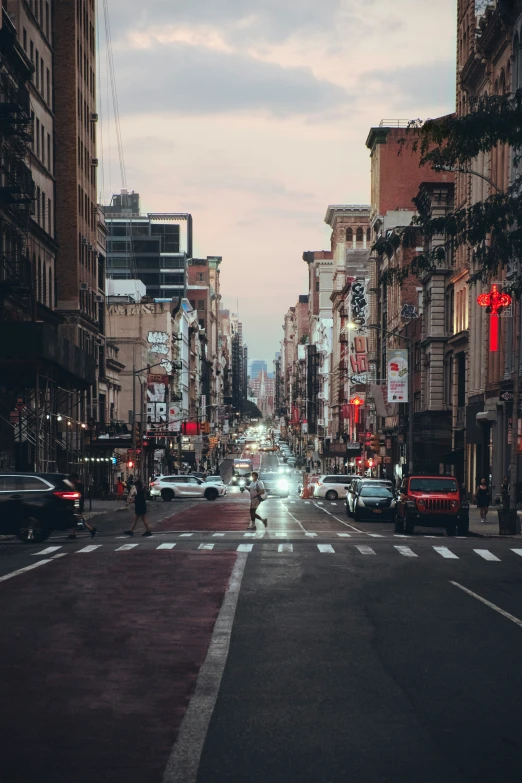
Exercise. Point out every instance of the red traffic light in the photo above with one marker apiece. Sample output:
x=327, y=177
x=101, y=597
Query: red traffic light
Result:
x=130, y=464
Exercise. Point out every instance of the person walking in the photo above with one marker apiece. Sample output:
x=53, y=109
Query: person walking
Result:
x=120, y=489
x=505, y=492
x=483, y=499
x=137, y=496
x=257, y=495
x=79, y=487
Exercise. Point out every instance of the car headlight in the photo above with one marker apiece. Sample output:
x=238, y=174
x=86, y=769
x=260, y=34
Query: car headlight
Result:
x=454, y=504
x=421, y=503
x=283, y=485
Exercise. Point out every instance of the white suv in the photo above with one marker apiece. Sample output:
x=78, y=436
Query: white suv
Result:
x=332, y=487
x=170, y=487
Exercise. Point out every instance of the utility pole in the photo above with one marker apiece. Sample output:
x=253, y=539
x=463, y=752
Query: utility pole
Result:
x=515, y=416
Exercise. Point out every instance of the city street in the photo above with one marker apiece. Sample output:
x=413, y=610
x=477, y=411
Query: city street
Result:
x=317, y=650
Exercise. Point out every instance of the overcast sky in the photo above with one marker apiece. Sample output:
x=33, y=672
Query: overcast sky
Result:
x=253, y=116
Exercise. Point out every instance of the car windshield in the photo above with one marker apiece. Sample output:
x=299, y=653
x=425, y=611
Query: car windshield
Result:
x=374, y=491
x=433, y=485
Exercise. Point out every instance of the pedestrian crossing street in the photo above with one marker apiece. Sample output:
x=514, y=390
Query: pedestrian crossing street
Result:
x=342, y=547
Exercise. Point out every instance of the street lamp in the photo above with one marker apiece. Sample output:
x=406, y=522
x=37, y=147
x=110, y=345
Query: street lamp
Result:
x=409, y=341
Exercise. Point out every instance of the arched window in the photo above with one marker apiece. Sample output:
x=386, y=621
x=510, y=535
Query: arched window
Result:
x=360, y=234
x=349, y=234
x=368, y=235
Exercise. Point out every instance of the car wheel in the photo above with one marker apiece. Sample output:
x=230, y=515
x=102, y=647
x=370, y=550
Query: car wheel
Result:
x=399, y=525
x=331, y=495
x=211, y=494
x=32, y=531
x=451, y=529
x=409, y=526
x=167, y=495
x=463, y=527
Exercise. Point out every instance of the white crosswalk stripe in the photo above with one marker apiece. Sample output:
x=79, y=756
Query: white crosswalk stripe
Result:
x=517, y=552
x=365, y=550
x=487, y=555
x=405, y=551
x=48, y=551
x=166, y=546
x=285, y=548
x=186, y=535
x=443, y=551
x=91, y=548
x=344, y=535
x=245, y=547
x=124, y=548
x=206, y=546
x=325, y=548
x=218, y=535
x=311, y=535
x=375, y=535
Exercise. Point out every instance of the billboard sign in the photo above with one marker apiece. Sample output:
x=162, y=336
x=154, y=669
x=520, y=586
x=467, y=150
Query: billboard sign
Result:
x=397, y=371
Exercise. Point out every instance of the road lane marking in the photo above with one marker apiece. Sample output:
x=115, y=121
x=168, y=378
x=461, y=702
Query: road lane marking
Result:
x=124, y=548
x=319, y=503
x=92, y=547
x=186, y=535
x=344, y=535
x=326, y=548
x=48, y=551
x=249, y=535
x=443, y=551
x=307, y=502
x=245, y=547
x=285, y=548
x=183, y=764
x=23, y=570
x=400, y=535
x=333, y=504
x=375, y=535
x=206, y=546
x=365, y=550
x=517, y=552
x=488, y=603
x=311, y=535
x=346, y=524
x=166, y=546
x=57, y=557
x=405, y=551
x=487, y=555
x=218, y=535
x=281, y=535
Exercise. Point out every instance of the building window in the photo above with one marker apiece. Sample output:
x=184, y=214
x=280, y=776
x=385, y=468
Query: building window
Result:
x=37, y=70
x=360, y=234
x=201, y=304
x=200, y=276
x=349, y=234
x=49, y=217
x=49, y=166
x=24, y=38
x=317, y=286
x=368, y=234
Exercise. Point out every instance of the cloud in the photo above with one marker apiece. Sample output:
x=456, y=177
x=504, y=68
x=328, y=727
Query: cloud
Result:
x=239, y=19
x=182, y=79
x=425, y=85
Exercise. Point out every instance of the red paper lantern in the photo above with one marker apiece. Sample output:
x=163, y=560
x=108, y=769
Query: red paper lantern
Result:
x=495, y=301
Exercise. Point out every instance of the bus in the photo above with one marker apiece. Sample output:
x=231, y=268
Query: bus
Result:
x=241, y=468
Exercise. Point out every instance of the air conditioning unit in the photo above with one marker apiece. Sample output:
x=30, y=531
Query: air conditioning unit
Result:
x=89, y=247
x=84, y=286
x=84, y=241
x=94, y=162
x=99, y=298
x=94, y=117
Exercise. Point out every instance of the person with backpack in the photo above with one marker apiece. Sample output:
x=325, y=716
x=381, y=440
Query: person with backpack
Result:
x=257, y=495
x=137, y=496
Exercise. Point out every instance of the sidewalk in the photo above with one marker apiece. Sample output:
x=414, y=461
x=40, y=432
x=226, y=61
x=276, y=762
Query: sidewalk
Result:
x=490, y=527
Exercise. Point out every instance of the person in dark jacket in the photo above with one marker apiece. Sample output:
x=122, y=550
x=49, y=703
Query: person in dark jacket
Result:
x=483, y=499
x=137, y=495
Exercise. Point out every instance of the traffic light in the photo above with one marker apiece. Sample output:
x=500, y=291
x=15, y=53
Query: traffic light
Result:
x=130, y=464
x=375, y=444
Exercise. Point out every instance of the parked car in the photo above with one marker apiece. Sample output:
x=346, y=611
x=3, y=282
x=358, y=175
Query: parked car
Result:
x=170, y=487
x=374, y=501
x=32, y=505
x=275, y=484
x=355, y=486
x=431, y=501
x=291, y=462
x=332, y=487
x=214, y=480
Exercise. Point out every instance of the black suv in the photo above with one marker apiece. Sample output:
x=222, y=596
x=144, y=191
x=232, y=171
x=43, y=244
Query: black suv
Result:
x=34, y=504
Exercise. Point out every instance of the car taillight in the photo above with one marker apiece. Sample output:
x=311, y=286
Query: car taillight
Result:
x=66, y=495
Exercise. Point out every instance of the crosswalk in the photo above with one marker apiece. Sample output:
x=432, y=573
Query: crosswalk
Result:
x=342, y=547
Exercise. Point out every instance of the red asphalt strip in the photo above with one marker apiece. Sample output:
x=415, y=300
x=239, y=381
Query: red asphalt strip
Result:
x=209, y=516
x=100, y=655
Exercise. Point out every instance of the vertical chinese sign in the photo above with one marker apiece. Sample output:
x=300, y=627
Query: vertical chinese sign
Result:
x=398, y=373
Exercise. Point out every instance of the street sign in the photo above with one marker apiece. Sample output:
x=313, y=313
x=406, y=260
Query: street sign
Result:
x=508, y=396
x=361, y=378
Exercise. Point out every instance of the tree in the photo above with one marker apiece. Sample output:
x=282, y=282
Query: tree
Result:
x=493, y=228
x=250, y=409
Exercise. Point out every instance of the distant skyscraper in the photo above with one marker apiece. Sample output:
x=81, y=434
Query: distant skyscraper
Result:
x=258, y=366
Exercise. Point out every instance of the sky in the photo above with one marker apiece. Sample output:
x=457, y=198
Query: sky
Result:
x=253, y=117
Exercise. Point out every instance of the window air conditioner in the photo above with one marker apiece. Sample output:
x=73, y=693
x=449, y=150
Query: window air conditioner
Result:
x=94, y=162
x=84, y=286
x=84, y=241
x=99, y=298
x=94, y=117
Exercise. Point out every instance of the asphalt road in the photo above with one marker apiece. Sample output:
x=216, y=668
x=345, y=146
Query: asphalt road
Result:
x=316, y=650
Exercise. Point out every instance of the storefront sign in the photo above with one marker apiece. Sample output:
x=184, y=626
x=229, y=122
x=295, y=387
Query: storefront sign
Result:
x=174, y=418
x=397, y=367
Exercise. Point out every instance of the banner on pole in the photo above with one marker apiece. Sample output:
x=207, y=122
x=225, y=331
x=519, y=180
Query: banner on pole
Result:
x=397, y=371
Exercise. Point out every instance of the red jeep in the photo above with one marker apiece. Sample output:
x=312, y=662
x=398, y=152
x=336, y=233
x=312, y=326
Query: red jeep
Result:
x=431, y=501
